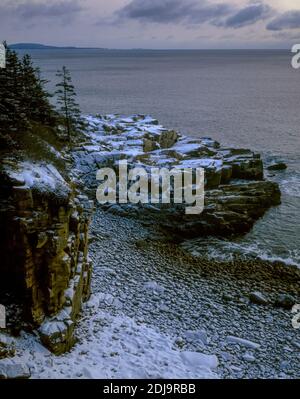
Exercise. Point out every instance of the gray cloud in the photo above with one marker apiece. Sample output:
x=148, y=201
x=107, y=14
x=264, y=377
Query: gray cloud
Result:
x=173, y=11
x=30, y=10
x=288, y=20
x=248, y=15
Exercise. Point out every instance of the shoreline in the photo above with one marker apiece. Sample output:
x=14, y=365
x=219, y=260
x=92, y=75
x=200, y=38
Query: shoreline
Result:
x=157, y=312
x=216, y=319
x=223, y=291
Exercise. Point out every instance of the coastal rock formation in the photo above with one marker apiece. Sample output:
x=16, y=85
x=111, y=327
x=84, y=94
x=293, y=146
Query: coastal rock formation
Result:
x=44, y=247
x=236, y=194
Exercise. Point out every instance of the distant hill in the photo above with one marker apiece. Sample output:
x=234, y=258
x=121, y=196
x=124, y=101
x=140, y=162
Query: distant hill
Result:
x=35, y=46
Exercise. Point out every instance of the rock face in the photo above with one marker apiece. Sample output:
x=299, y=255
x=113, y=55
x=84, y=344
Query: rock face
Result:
x=44, y=248
x=236, y=194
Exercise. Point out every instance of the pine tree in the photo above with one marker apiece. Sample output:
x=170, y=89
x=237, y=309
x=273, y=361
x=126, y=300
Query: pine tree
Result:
x=23, y=99
x=13, y=116
x=35, y=99
x=68, y=107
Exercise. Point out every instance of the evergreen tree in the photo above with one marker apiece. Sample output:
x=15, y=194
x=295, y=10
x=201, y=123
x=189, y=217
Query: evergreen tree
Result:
x=13, y=116
x=35, y=98
x=23, y=99
x=68, y=107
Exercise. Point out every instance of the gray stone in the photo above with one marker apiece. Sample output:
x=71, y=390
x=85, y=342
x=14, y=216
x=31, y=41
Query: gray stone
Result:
x=196, y=336
x=285, y=301
x=243, y=342
x=258, y=298
x=249, y=358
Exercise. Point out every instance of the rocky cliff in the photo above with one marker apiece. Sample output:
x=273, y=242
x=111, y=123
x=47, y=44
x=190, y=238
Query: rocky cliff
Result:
x=236, y=193
x=45, y=218
x=44, y=245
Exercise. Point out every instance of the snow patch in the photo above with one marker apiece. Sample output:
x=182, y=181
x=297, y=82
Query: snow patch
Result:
x=114, y=347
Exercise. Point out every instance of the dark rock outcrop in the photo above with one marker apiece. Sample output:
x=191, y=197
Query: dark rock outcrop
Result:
x=44, y=246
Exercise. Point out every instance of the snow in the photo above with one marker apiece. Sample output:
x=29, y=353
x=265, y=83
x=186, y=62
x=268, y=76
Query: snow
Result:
x=43, y=177
x=91, y=148
x=201, y=163
x=114, y=346
x=186, y=148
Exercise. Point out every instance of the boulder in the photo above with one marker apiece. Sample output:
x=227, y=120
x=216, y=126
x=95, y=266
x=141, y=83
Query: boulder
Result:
x=285, y=301
x=13, y=371
x=168, y=138
x=258, y=298
x=277, y=166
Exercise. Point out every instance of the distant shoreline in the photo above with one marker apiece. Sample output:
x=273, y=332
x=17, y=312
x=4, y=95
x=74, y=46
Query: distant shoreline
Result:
x=37, y=46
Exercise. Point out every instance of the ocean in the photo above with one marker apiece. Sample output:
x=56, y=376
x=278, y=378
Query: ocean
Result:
x=241, y=98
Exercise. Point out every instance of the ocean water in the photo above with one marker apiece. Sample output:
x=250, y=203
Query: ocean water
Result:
x=241, y=98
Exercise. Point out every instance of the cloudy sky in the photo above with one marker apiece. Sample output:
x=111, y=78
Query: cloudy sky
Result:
x=152, y=23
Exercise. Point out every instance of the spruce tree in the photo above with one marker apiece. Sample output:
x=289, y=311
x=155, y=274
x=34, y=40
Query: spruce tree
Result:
x=23, y=99
x=68, y=107
x=35, y=98
x=13, y=117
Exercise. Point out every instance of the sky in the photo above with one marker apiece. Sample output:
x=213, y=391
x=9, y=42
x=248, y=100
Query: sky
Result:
x=153, y=24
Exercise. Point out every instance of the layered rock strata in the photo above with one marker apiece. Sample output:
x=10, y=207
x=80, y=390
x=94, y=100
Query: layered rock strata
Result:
x=44, y=246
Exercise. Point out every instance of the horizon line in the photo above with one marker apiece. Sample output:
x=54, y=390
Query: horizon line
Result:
x=70, y=47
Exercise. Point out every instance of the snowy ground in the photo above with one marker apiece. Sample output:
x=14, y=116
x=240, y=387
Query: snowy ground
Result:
x=158, y=313
x=114, y=347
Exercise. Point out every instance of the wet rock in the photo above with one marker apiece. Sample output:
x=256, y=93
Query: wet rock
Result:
x=258, y=298
x=277, y=166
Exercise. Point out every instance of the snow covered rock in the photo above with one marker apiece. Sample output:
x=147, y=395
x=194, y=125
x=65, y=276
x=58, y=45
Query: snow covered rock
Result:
x=236, y=195
x=200, y=359
x=13, y=370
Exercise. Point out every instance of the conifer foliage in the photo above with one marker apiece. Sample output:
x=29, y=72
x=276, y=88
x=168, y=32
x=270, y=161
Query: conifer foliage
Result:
x=24, y=101
x=23, y=98
x=12, y=115
x=68, y=106
x=35, y=98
